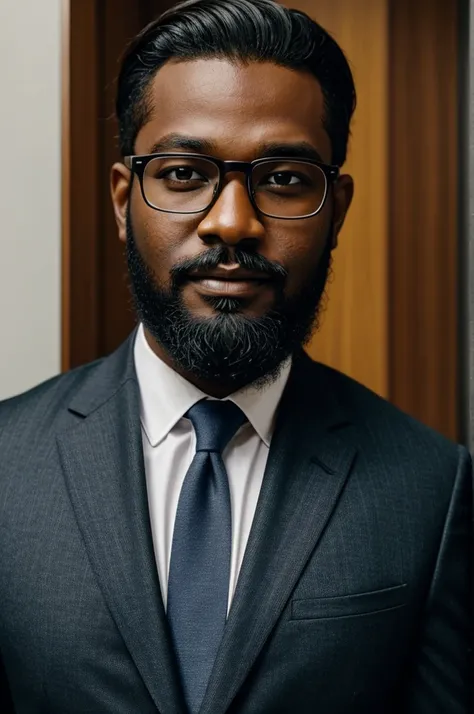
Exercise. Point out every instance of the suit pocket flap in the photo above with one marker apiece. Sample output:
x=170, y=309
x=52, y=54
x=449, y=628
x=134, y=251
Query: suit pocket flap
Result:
x=347, y=605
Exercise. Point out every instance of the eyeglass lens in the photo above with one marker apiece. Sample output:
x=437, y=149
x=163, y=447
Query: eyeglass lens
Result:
x=282, y=188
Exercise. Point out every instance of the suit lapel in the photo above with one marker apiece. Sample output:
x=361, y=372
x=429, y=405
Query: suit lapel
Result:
x=102, y=460
x=306, y=471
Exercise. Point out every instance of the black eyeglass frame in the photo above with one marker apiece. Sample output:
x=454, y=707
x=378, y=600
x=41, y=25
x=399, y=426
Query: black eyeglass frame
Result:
x=138, y=163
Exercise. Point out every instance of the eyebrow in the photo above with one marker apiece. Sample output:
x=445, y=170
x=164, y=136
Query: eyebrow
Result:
x=197, y=145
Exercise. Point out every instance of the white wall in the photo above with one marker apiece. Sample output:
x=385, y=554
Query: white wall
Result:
x=30, y=196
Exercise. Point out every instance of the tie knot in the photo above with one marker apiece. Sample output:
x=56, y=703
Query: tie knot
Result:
x=215, y=423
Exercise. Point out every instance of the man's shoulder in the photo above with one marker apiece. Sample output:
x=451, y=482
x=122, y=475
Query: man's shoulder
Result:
x=87, y=386
x=377, y=420
x=45, y=402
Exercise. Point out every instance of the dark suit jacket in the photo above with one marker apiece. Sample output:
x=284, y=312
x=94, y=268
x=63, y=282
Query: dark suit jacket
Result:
x=353, y=594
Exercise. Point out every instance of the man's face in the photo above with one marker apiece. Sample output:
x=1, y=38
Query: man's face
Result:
x=236, y=110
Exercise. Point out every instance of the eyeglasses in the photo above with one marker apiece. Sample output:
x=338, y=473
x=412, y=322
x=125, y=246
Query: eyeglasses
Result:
x=191, y=183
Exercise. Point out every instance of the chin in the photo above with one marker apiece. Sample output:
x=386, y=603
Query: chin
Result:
x=225, y=305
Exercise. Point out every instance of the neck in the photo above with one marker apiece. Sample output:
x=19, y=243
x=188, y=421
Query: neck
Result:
x=218, y=391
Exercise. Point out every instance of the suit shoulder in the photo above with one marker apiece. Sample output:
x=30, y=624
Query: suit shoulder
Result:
x=45, y=400
x=381, y=418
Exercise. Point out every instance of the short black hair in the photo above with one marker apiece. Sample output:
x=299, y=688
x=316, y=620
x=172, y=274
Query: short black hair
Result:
x=240, y=30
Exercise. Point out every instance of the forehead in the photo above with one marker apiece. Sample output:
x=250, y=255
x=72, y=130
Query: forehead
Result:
x=235, y=106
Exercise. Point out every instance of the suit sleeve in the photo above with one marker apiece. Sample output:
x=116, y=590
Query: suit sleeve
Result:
x=441, y=681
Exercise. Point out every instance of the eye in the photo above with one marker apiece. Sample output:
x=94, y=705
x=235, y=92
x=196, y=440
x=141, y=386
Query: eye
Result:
x=181, y=174
x=283, y=178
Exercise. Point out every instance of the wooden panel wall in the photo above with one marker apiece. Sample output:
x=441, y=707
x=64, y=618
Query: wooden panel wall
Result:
x=81, y=186
x=467, y=221
x=423, y=162
x=392, y=318
x=353, y=336
x=97, y=312
x=119, y=21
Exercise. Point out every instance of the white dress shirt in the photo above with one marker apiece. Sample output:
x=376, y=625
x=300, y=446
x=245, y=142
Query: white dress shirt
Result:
x=169, y=445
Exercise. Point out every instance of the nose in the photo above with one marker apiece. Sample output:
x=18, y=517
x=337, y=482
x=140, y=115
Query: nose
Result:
x=232, y=219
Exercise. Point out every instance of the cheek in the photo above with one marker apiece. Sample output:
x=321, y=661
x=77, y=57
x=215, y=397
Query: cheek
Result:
x=161, y=239
x=303, y=267
x=301, y=253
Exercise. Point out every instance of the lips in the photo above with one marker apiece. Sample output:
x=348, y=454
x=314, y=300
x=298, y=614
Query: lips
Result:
x=228, y=274
x=234, y=288
x=235, y=282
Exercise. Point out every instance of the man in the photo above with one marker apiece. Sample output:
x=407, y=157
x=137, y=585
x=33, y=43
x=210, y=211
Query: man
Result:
x=207, y=521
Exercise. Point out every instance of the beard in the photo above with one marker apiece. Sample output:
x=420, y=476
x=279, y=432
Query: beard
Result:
x=230, y=348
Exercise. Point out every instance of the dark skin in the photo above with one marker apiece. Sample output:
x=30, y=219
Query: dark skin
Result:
x=237, y=109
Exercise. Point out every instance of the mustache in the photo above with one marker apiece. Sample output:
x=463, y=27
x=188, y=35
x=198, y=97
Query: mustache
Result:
x=213, y=257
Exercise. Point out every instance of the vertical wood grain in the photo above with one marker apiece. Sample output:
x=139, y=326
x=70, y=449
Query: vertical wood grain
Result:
x=354, y=328
x=467, y=217
x=81, y=308
x=423, y=163
x=119, y=22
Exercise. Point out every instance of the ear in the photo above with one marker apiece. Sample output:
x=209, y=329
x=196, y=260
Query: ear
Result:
x=343, y=193
x=120, y=177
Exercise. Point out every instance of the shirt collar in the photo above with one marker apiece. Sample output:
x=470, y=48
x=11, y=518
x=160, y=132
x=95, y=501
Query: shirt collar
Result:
x=165, y=396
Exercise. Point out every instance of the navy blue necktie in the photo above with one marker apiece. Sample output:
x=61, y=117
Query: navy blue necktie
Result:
x=198, y=583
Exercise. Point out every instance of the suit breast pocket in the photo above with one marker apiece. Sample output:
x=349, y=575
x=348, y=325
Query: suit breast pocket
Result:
x=365, y=603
